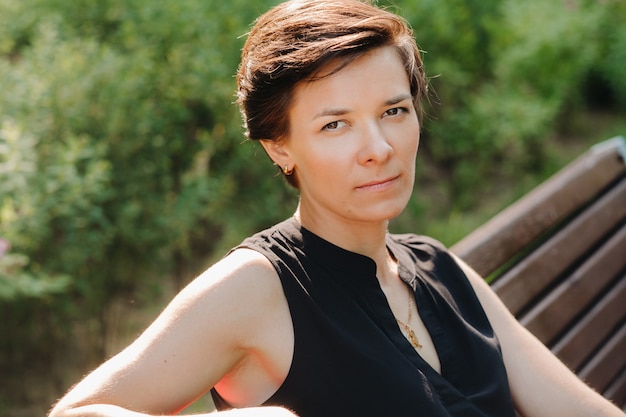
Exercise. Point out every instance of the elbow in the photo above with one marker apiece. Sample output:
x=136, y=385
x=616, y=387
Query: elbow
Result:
x=63, y=409
x=58, y=411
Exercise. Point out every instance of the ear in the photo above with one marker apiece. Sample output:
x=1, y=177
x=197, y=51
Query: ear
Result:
x=276, y=151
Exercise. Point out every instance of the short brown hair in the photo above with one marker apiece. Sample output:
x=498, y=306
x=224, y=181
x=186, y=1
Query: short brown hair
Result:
x=292, y=41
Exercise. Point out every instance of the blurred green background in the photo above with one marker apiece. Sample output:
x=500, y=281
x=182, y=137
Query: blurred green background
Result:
x=124, y=171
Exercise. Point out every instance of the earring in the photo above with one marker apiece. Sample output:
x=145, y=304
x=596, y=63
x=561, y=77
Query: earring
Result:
x=287, y=171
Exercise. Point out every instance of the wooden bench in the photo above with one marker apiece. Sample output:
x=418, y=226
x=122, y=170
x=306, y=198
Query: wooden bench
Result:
x=557, y=258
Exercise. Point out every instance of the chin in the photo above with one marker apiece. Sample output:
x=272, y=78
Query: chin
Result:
x=382, y=214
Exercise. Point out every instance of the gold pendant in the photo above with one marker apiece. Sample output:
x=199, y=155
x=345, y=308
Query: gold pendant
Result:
x=413, y=339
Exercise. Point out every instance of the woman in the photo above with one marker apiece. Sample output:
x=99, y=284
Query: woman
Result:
x=327, y=313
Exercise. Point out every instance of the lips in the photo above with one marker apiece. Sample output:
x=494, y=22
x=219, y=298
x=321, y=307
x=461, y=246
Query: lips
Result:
x=379, y=184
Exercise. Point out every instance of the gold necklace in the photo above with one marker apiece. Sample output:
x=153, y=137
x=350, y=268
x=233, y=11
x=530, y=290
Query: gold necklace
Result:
x=410, y=334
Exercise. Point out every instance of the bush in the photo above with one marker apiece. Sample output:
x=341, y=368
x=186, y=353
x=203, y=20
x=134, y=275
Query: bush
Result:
x=121, y=151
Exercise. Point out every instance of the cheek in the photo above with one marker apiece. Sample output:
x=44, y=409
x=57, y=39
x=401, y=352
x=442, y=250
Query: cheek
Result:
x=320, y=167
x=409, y=143
x=329, y=157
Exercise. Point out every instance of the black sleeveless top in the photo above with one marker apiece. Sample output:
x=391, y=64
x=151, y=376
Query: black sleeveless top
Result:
x=350, y=357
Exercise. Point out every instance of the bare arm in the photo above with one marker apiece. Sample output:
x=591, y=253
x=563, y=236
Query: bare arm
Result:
x=104, y=410
x=212, y=327
x=541, y=384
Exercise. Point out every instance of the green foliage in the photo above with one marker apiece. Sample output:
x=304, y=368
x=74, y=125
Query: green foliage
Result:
x=610, y=67
x=121, y=152
x=15, y=283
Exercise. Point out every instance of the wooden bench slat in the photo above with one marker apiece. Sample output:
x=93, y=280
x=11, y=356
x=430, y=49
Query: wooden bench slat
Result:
x=491, y=245
x=616, y=392
x=556, y=310
x=579, y=343
x=518, y=286
x=606, y=366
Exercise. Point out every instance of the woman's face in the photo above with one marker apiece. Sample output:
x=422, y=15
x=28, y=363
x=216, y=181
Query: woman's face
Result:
x=353, y=140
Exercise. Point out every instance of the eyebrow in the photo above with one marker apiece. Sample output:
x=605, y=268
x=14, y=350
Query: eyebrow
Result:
x=398, y=99
x=340, y=111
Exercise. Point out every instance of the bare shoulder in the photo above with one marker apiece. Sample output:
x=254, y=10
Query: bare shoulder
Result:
x=234, y=289
x=244, y=271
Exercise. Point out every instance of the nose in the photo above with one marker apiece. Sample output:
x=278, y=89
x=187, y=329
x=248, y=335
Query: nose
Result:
x=375, y=146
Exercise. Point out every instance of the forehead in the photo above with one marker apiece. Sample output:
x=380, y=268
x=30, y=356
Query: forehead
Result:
x=370, y=79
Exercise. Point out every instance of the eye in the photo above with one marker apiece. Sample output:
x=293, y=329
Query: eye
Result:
x=334, y=125
x=396, y=111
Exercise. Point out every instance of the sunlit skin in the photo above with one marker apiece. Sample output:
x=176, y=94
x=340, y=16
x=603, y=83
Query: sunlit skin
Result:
x=352, y=143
